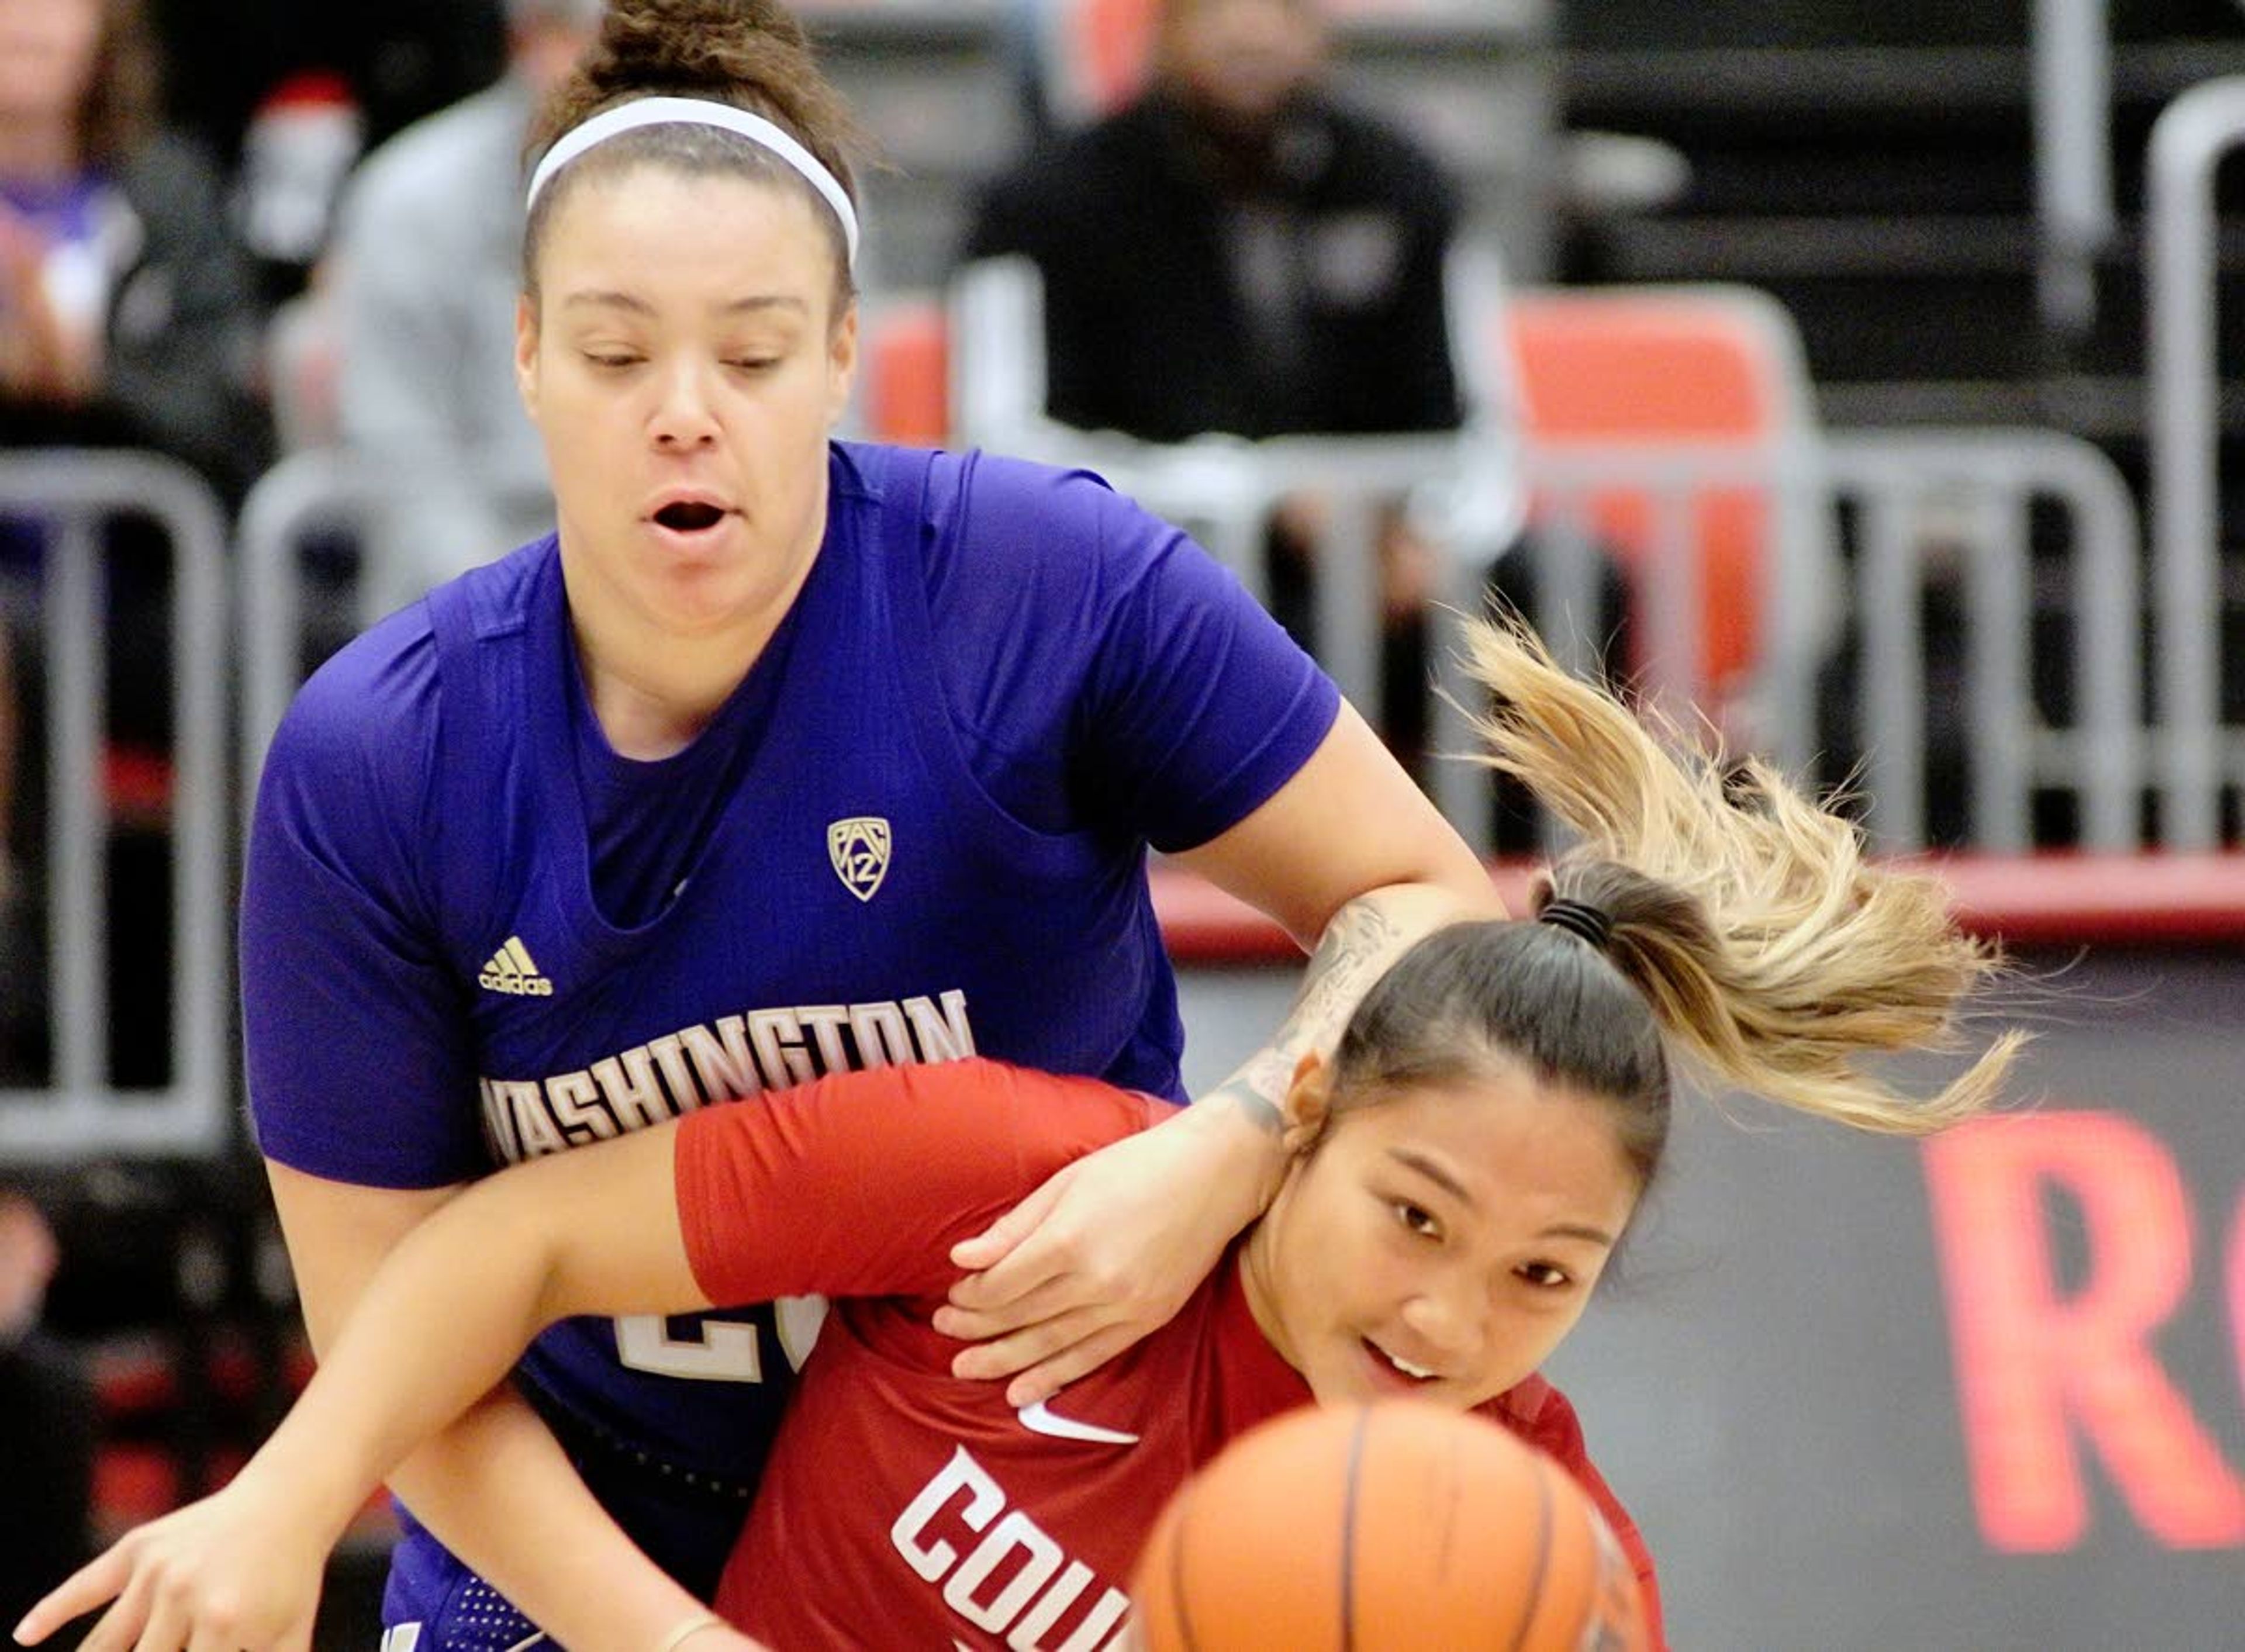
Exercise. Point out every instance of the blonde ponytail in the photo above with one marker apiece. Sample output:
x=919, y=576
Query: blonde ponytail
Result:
x=1773, y=956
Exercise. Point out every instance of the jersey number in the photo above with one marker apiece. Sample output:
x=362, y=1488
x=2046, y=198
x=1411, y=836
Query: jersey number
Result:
x=718, y=1351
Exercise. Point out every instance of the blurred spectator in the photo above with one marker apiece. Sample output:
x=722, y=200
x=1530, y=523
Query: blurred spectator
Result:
x=1239, y=251
x=287, y=96
x=426, y=270
x=46, y=1422
x=127, y=318
x=125, y=312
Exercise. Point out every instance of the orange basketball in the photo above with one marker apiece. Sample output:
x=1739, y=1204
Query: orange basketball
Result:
x=1384, y=1527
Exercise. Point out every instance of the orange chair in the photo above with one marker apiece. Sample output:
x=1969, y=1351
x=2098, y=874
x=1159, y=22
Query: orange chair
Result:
x=1624, y=371
x=904, y=372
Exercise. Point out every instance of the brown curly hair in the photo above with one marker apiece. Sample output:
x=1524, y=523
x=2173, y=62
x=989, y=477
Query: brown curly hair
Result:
x=747, y=53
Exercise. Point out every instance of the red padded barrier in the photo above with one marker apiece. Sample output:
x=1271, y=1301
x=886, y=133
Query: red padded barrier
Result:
x=2035, y=900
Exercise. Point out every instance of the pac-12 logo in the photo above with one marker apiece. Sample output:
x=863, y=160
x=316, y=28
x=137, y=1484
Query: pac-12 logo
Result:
x=859, y=849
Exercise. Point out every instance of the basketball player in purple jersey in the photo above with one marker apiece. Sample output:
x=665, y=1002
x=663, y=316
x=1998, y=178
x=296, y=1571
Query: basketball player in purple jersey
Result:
x=785, y=757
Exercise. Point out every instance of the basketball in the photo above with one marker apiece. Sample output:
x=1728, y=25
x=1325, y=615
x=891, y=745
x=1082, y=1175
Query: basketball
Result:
x=1388, y=1526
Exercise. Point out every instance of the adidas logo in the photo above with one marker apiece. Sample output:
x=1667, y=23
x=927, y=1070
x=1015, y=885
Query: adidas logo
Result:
x=512, y=971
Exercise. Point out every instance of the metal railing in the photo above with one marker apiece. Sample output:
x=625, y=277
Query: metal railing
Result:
x=81, y=1112
x=1979, y=486
x=2188, y=142
x=1985, y=482
x=1980, y=483
x=2072, y=47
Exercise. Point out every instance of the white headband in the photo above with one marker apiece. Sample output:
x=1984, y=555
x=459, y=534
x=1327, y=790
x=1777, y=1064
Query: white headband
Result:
x=697, y=112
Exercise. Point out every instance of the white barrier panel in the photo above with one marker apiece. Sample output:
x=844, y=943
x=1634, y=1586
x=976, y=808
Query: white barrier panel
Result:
x=81, y=1113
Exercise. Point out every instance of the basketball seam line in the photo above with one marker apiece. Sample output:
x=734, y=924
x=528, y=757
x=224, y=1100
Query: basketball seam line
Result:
x=1544, y=1523
x=1178, y=1572
x=1348, y=1532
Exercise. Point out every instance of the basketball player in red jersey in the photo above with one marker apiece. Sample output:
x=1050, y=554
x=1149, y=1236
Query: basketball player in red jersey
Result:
x=1462, y=1169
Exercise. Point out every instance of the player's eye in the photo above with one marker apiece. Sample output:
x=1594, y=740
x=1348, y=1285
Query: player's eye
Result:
x=1417, y=1219
x=1544, y=1276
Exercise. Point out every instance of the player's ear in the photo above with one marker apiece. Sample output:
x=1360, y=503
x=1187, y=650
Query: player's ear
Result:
x=841, y=359
x=1308, y=1103
x=526, y=353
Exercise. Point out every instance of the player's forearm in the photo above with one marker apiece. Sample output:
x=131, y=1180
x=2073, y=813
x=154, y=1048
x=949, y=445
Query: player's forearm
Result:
x=1363, y=938
x=582, y=1233
x=381, y=1389
x=497, y=1490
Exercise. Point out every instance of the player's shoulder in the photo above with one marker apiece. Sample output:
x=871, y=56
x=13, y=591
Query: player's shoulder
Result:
x=373, y=705
x=1013, y=518
x=999, y=490
x=375, y=690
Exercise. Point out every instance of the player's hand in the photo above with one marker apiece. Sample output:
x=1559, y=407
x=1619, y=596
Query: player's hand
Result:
x=1104, y=1252
x=223, y=1574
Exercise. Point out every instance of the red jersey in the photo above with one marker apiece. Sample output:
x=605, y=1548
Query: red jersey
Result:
x=903, y=1508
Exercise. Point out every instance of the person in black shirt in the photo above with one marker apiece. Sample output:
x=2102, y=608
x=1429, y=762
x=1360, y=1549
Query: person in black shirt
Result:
x=1241, y=251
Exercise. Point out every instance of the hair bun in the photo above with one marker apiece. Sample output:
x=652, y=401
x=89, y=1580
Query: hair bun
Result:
x=687, y=44
x=748, y=53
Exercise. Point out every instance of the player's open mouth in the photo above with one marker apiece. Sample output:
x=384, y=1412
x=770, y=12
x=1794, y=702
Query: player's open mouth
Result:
x=1396, y=1362
x=690, y=516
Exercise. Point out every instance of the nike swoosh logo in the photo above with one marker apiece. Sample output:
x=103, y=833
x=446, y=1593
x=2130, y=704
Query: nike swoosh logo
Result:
x=1039, y=1419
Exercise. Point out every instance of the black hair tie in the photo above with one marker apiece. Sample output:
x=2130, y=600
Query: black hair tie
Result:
x=1580, y=919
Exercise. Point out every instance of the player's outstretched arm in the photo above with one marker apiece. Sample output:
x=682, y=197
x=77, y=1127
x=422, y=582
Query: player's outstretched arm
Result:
x=1349, y=855
x=438, y=1324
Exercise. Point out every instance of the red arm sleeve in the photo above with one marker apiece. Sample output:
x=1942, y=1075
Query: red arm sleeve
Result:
x=1545, y=1417
x=859, y=1183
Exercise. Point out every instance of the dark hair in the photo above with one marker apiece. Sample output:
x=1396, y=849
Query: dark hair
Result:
x=1474, y=996
x=121, y=105
x=751, y=55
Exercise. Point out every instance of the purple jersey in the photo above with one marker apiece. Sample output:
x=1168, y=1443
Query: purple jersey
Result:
x=472, y=934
